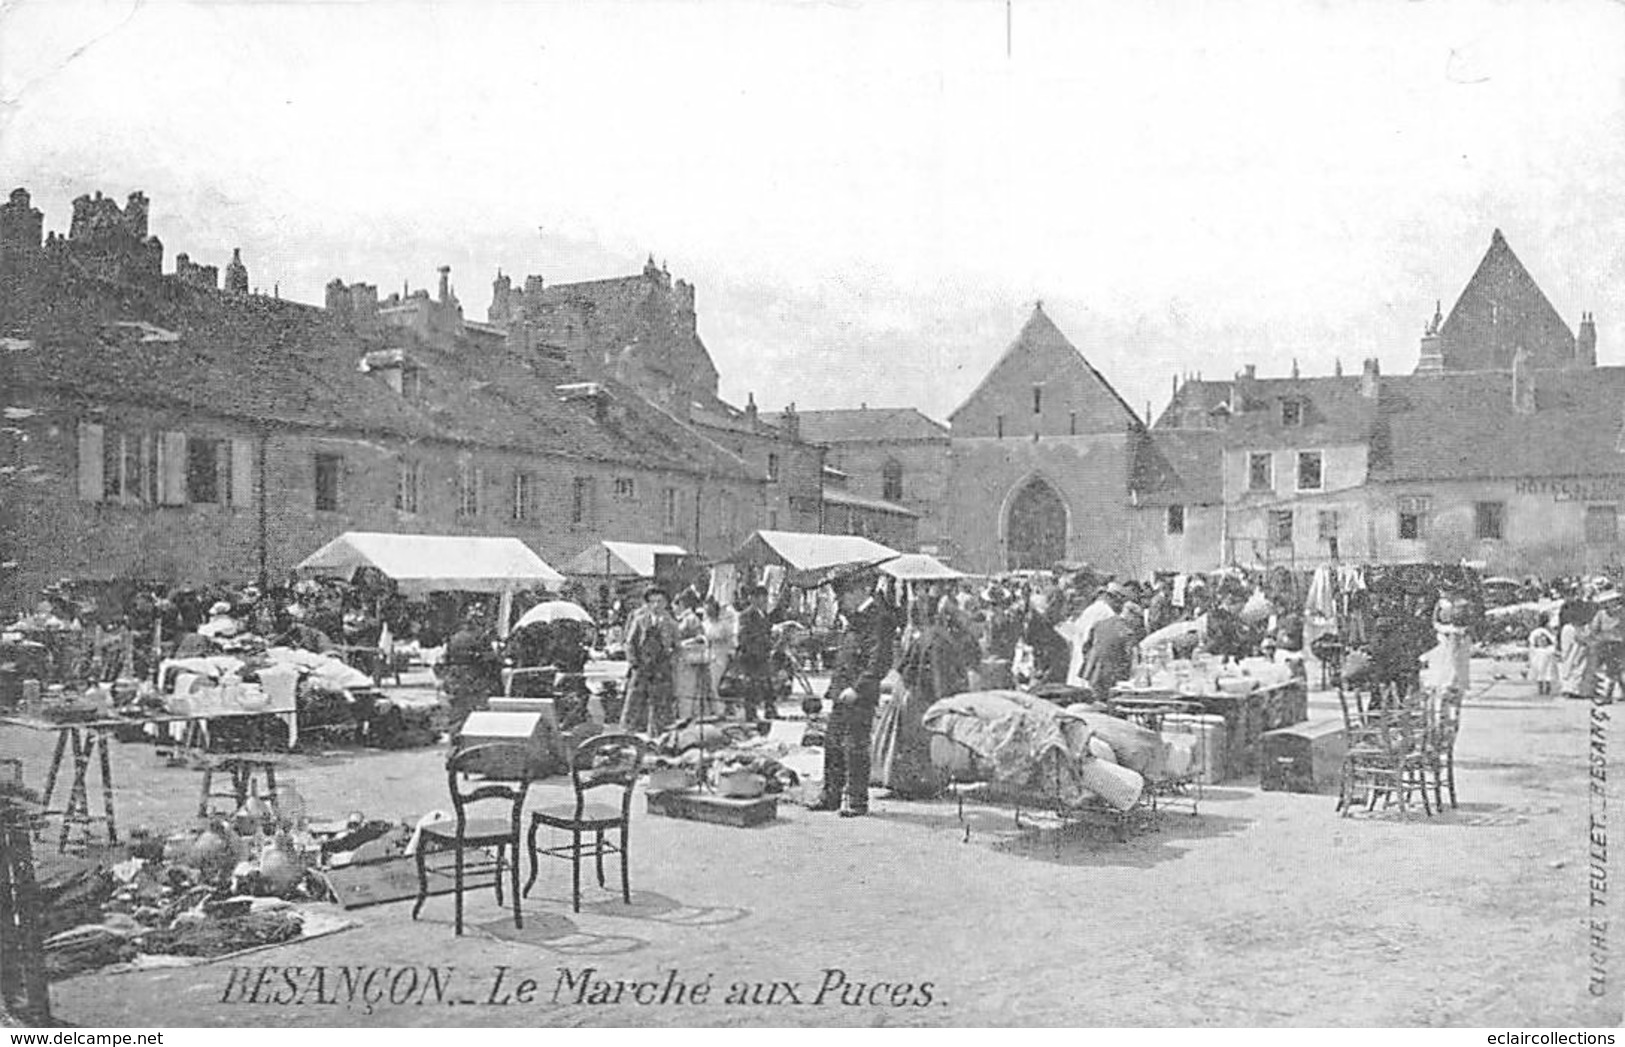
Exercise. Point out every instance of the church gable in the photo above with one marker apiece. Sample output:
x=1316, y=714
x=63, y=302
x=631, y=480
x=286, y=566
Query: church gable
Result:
x=1500, y=311
x=1042, y=386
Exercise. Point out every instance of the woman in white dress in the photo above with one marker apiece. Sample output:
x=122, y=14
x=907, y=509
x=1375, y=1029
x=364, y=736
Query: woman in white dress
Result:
x=1574, y=670
x=721, y=627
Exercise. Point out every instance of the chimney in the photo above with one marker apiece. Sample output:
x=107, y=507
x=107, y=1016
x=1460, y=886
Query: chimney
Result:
x=364, y=303
x=236, y=273
x=1241, y=389
x=790, y=422
x=501, y=310
x=21, y=230
x=445, y=284
x=750, y=409
x=1523, y=384
x=1370, y=378
x=1585, y=343
x=338, y=296
x=1430, y=359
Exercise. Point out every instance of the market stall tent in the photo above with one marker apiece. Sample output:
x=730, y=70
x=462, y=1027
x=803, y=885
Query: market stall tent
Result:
x=808, y=558
x=424, y=563
x=920, y=567
x=620, y=559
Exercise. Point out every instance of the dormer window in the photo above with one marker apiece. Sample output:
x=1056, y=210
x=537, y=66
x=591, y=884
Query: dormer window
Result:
x=1292, y=413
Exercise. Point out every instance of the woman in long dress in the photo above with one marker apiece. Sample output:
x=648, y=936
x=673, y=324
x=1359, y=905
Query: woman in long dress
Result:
x=1575, y=675
x=690, y=672
x=932, y=666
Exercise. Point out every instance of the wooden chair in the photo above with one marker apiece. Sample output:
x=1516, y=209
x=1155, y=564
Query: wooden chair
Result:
x=609, y=761
x=1387, y=756
x=469, y=782
x=1441, y=746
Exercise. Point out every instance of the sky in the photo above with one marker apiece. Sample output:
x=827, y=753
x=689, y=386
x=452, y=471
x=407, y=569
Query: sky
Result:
x=869, y=197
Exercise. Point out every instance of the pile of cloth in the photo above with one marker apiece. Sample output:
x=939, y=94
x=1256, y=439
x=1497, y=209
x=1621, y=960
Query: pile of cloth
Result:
x=1070, y=755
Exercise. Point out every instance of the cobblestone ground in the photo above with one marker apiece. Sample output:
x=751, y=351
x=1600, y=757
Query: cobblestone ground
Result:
x=1268, y=909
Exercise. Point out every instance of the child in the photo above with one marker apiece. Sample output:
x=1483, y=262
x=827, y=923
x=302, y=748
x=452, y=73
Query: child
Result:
x=1543, y=659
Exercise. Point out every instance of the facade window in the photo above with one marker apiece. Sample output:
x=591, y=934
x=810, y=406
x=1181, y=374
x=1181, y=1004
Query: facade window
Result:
x=1311, y=470
x=470, y=478
x=1176, y=519
x=1291, y=413
x=412, y=383
x=1261, y=471
x=891, y=480
x=329, y=467
x=668, y=507
x=203, y=471
x=1413, y=518
x=772, y=468
x=129, y=467
x=1000, y=426
x=1489, y=519
x=1327, y=519
x=626, y=489
x=1038, y=399
x=524, y=496
x=772, y=519
x=583, y=492
x=1072, y=423
x=1281, y=527
x=1602, y=524
x=408, y=485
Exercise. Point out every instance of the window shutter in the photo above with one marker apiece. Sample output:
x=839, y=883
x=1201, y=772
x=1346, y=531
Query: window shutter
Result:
x=90, y=462
x=172, y=469
x=242, y=471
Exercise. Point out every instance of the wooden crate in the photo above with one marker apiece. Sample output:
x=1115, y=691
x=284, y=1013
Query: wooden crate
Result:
x=709, y=807
x=1306, y=758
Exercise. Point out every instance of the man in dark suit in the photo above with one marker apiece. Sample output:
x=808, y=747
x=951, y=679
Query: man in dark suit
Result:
x=754, y=657
x=863, y=660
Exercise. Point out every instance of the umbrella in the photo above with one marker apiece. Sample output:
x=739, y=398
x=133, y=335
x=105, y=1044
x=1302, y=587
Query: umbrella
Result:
x=1169, y=633
x=554, y=611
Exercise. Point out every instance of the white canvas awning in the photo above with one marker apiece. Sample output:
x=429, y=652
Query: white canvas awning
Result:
x=621, y=559
x=423, y=563
x=808, y=558
x=919, y=567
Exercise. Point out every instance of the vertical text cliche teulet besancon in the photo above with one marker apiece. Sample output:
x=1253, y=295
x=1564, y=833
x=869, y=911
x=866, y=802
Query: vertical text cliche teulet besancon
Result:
x=1597, y=849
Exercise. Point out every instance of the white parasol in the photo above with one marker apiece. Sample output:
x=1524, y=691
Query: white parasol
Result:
x=554, y=611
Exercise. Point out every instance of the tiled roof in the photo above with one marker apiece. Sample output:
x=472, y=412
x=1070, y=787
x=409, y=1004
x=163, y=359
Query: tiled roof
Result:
x=262, y=359
x=1501, y=310
x=1462, y=426
x=1180, y=467
x=869, y=425
x=1332, y=410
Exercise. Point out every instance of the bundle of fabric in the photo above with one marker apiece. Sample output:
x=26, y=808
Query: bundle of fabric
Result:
x=1020, y=741
x=1138, y=748
x=320, y=670
x=704, y=735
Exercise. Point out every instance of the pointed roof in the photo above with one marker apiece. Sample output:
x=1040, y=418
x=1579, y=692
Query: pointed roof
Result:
x=869, y=425
x=1501, y=310
x=1038, y=335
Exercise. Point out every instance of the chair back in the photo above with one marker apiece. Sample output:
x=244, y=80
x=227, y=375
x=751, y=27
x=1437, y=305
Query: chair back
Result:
x=465, y=768
x=1352, y=699
x=609, y=761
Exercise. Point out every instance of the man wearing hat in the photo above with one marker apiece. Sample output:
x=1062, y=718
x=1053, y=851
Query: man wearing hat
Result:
x=861, y=662
x=651, y=648
x=754, y=657
x=1109, y=600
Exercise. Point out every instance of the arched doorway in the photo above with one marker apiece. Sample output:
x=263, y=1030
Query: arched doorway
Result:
x=1035, y=527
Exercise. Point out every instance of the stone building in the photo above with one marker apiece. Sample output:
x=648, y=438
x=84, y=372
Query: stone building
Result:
x=888, y=473
x=643, y=331
x=161, y=427
x=1506, y=446
x=1044, y=457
